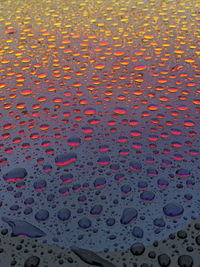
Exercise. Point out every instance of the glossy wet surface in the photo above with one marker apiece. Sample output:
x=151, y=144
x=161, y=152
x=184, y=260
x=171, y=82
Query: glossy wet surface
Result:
x=99, y=106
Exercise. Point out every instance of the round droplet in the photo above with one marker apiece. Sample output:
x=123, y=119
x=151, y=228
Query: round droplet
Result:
x=104, y=160
x=162, y=183
x=185, y=261
x=84, y=223
x=137, y=249
x=40, y=185
x=74, y=141
x=142, y=185
x=96, y=210
x=164, y=260
x=183, y=173
x=29, y=201
x=110, y=221
x=137, y=232
x=152, y=172
x=159, y=222
x=147, y=196
x=42, y=215
x=135, y=166
x=32, y=261
x=126, y=189
x=64, y=214
x=173, y=209
x=182, y=234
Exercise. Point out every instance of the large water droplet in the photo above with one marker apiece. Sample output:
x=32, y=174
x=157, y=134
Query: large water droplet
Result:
x=15, y=175
x=128, y=215
x=173, y=209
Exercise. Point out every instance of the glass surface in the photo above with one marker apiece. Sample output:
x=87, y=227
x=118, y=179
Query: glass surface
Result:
x=99, y=133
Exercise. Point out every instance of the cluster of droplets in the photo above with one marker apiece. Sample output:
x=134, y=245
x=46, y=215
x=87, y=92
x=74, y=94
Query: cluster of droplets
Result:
x=99, y=189
x=99, y=138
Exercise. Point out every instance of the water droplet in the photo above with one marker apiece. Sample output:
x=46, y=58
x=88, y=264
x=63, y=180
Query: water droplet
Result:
x=173, y=209
x=15, y=175
x=64, y=214
x=128, y=215
x=65, y=159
